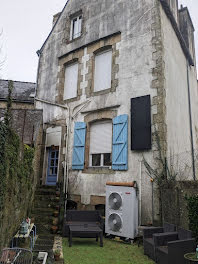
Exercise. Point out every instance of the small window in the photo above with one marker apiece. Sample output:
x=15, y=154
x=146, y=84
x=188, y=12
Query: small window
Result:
x=103, y=68
x=71, y=81
x=76, y=27
x=100, y=144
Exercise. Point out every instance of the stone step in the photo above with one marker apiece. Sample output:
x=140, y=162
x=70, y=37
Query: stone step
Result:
x=47, y=242
x=46, y=187
x=44, y=229
x=47, y=236
x=45, y=192
x=42, y=248
x=45, y=203
x=45, y=198
x=43, y=211
x=42, y=219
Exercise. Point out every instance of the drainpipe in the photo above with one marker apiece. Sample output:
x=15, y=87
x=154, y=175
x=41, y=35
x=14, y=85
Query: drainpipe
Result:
x=190, y=121
x=66, y=161
x=140, y=195
x=66, y=167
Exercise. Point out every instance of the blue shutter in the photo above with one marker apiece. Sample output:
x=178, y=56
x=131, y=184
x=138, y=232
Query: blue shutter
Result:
x=120, y=143
x=79, y=146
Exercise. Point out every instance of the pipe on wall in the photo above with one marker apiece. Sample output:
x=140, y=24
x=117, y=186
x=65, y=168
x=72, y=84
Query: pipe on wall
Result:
x=190, y=121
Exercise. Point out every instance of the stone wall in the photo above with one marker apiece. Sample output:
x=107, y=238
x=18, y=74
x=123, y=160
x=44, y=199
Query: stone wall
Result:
x=174, y=203
x=21, y=172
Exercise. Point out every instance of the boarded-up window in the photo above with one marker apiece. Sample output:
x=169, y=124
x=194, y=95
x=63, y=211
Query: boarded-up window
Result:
x=71, y=81
x=103, y=67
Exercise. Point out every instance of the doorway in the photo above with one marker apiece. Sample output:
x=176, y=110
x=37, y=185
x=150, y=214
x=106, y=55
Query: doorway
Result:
x=52, y=170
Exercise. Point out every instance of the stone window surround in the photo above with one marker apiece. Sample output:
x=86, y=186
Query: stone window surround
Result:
x=95, y=49
x=66, y=39
x=63, y=63
x=77, y=55
x=89, y=119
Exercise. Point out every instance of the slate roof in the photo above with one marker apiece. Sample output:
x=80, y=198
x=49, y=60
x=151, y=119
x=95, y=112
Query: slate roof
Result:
x=22, y=91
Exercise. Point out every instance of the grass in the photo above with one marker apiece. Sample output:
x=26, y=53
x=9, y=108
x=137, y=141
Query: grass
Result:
x=88, y=251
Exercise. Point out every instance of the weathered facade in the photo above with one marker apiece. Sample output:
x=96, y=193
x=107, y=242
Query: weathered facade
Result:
x=98, y=56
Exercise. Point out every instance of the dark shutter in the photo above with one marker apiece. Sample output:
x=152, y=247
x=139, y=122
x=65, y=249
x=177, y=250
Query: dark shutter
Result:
x=141, y=123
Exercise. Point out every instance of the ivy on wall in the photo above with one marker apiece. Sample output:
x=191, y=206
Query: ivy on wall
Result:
x=16, y=176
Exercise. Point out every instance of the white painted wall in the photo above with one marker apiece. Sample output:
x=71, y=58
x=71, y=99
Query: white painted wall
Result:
x=177, y=107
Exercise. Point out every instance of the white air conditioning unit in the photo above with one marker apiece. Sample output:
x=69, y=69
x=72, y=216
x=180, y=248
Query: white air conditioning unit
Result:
x=121, y=211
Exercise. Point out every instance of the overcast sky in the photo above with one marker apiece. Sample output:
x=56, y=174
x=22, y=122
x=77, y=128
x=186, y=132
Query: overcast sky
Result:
x=27, y=23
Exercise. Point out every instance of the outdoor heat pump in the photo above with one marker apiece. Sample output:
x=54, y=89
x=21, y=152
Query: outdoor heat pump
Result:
x=121, y=217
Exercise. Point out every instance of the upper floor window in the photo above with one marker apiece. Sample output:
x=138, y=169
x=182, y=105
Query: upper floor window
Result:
x=71, y=81
x=103, y=69
x=100, y=144
x=76, y=27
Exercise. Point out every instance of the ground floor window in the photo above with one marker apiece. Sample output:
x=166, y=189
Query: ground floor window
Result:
x=100, y=144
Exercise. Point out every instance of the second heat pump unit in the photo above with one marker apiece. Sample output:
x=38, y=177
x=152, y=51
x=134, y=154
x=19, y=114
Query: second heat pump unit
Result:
x=121, y=210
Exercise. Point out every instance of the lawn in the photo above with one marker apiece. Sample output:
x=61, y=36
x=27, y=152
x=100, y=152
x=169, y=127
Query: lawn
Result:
x=87, y=251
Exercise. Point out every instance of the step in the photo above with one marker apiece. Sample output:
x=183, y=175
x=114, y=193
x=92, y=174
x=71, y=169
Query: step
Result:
x=42, y=219
x=45, y=203
x=43, y=211
x=46, y=187
x=46, y=236
x=45, y=192
x=51, y=198
x=47, y=242
x=42, y=248
x=44, y=229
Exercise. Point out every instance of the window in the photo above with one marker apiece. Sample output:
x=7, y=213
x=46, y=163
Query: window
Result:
x=100, y=144
x=76, y=27
x=103, y=68
x=71, y=81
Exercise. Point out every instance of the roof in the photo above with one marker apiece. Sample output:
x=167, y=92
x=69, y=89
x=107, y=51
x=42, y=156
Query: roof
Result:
x=22, y=91
x=169, y=14
x=59, y=15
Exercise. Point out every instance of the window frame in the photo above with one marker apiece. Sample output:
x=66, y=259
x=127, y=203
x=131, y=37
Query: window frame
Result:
x=101, y=161
x=79, y=19
x=101, y=154
x=72, y=63
x=97, y=53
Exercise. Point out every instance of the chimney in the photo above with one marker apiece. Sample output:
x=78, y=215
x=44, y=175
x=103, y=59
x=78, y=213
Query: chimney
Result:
x=187, y=29
x=55, y=17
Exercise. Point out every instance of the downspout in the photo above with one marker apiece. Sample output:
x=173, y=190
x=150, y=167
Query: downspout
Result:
x=140, y=195
x=190, y=120
x=66, y=167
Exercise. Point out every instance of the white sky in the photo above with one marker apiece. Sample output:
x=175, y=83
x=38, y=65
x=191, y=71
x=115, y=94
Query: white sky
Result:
x=26, y=25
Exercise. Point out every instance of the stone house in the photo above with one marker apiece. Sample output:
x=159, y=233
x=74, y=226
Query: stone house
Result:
x=26, y=120
x=110, y=73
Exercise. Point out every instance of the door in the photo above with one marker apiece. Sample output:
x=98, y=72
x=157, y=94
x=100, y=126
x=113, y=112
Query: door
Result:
x=52, y=171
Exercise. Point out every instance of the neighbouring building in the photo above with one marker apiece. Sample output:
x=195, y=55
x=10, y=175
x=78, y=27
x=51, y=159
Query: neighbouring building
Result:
x=26, y=120
x=110, y=75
